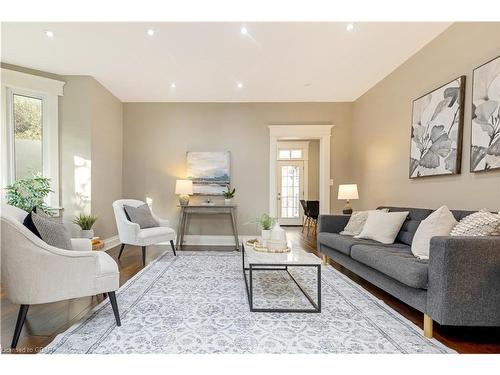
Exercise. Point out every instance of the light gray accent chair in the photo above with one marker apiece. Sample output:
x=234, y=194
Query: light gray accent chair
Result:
x=458, y=286
x=131, y=233
x=34, y=272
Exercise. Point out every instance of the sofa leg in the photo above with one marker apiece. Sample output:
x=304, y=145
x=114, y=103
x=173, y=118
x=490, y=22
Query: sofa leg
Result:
x=173, y=246
x=428, y=326
x=325, y=259
x=114, y=305
x=121, y=250
x=144, y=255
x=21, y=317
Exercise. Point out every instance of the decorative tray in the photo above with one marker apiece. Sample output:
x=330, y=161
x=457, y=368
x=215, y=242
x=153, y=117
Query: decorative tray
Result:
x=258, y=247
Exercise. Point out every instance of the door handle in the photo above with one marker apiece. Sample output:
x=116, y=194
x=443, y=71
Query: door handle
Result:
x=279, y=196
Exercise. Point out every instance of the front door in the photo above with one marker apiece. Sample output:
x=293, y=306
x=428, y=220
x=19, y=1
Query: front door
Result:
x=290, y=191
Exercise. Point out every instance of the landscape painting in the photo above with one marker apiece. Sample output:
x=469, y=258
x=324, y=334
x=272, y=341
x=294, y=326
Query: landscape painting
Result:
x=436, y=131
x=485, y=134
x=209, y=172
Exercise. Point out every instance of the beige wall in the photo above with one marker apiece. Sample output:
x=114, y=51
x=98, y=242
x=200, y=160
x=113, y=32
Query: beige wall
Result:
x=382, y=118
x=91, y=152
x=156, y=137
x=313, y=171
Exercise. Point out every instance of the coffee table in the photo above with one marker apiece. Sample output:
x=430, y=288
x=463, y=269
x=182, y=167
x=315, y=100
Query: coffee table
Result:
x=255, y=261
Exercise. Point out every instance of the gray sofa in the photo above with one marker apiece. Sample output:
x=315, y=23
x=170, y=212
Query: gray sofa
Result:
x=458, y=285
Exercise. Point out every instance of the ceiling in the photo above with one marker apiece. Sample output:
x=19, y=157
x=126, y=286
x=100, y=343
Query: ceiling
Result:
x=273, y=62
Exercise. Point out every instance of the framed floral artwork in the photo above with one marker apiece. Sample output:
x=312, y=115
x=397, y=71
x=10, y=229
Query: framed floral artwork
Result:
x=485, y=128
x=436, y=131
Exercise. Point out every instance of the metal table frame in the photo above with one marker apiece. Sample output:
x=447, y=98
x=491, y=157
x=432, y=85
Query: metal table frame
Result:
x=217, y=209
x=280, y=267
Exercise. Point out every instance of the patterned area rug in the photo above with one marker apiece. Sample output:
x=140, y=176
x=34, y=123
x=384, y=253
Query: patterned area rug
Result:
x=196, y=303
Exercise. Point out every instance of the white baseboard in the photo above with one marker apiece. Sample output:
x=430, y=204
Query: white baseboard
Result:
x=209, y=240
x=111, y=242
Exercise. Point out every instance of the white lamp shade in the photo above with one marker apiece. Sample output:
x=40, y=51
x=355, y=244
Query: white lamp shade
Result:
x=184, y=187
x=349, y=191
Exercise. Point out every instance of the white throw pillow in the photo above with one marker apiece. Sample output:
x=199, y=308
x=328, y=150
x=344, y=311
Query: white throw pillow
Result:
x=438, y=223
x=357, y=222
x=481, y=223
x=383, y=226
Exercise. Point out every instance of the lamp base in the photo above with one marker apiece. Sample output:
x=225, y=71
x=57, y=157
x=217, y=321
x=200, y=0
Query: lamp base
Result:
x=347, y=210
x=183, y=199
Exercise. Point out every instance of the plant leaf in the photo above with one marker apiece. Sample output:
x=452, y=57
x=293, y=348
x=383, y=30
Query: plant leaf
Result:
x=436, y=132
x=485, y=110
x=442, y=146
x=451, y=93
x=413, y=165
x=451, y=161
x=430, y=159
x=439, y=108
x=477, y=154
x=494, y=149
x=494, y=88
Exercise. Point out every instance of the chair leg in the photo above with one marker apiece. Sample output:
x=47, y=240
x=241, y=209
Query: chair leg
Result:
x=144, y=255
x=173, y=246
x=121, y=250
x=21, y=317
x=308, y=224
x=114, y=305
x=304, y=223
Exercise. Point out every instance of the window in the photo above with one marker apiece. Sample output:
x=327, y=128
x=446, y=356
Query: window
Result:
x=30, y=129
x=293, y=150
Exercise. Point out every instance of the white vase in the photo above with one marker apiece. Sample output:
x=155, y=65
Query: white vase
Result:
x=278, y=233
x=228, y=201
x=88, y=233
x=265, y=235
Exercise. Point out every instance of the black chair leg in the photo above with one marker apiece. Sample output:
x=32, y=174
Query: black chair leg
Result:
x=21, y=317
x=144, y=255
x=121, y=250
x=173, y=247
x=114, y=305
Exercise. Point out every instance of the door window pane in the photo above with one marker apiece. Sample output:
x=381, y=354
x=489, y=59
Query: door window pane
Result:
x=284, y=154
x=290, y=190
x=27, y=116
x=296, y=154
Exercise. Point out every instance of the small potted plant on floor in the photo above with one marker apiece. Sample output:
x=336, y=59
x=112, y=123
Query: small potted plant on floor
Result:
x=229, y=195
x=266, y=222
x=85, y=222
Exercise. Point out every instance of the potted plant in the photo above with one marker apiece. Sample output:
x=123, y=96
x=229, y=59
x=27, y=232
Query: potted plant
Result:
x=28, y=193
x=266, y=222
x=85, y=222
x=229, y=195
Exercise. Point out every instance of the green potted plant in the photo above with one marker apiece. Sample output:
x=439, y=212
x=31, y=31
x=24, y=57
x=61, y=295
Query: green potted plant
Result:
x=266, y=223
x=28, y=193
x=229, y=195
x=85, y=222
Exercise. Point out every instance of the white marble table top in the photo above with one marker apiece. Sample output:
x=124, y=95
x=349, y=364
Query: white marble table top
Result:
x=295, y=256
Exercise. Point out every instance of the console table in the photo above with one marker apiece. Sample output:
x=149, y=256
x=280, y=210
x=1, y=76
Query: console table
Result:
x=206, y=209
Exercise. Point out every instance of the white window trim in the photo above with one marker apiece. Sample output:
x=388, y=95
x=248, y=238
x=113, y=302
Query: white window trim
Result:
x=298, y=145
x=49, y=91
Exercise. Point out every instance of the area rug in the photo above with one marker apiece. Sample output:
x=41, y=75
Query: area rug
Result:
x=197, y=303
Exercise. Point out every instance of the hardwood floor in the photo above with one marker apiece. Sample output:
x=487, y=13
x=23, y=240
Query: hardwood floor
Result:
x=44, y=322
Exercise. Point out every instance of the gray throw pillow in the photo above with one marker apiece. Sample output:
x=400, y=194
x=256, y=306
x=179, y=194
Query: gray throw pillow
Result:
x=52, y=232
x=140, y=215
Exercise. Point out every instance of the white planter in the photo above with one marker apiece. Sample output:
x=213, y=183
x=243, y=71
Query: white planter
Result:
x=265, y=235
x=228, y=201
x=88, y=233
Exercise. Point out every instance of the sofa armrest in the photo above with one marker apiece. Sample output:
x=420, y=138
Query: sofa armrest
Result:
x=464, y=280
x=81, y=244
x=332, y=223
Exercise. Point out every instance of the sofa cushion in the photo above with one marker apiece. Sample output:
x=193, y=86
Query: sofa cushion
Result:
x=396, y=261
x=409, y=227
x=342, y=243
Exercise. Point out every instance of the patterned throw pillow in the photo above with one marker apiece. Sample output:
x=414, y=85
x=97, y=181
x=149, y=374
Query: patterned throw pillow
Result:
x=140, y=215
x=357, y=222
x=481, y=223
x=52, y=232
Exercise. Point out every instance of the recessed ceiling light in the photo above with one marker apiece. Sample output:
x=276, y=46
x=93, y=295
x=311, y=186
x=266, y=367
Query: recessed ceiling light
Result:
x=244, y=30
x=150, y=32
x=307, y=84
x=172, y=85
x=350, y=27
x=240, y=85
x=49, y=34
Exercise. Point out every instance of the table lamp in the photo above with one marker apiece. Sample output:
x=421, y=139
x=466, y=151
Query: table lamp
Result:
x=184, y=188
x=349, y=191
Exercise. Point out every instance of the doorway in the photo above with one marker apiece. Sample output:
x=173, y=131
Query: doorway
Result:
x=290, y=191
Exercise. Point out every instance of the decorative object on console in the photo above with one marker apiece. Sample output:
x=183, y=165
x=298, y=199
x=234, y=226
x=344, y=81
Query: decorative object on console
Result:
x=140, y=215
x=436, y=131
x=438, y=223
x=86, y=222
x=209, y=172
x=349, y=191
x=184, y=188
x=481, y=223
x=485, y=133
x=229, y=195
x=383, y=226
x=357, y=222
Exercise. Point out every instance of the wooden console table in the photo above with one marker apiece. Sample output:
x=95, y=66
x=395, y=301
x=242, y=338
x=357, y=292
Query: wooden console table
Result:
x=206, y=209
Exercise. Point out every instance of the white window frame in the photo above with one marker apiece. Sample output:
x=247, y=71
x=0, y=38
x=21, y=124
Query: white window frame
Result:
x=48, y=90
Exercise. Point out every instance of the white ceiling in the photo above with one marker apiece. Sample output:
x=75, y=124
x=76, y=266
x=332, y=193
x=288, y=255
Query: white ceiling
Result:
x=274, y=62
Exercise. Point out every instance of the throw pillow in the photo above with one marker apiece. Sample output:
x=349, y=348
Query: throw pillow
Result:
x=140, y=215
x=28, y=223
x=357, y=222
x=481, y=223
x=53, y=233
x=383, y=226
x=438, y=223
